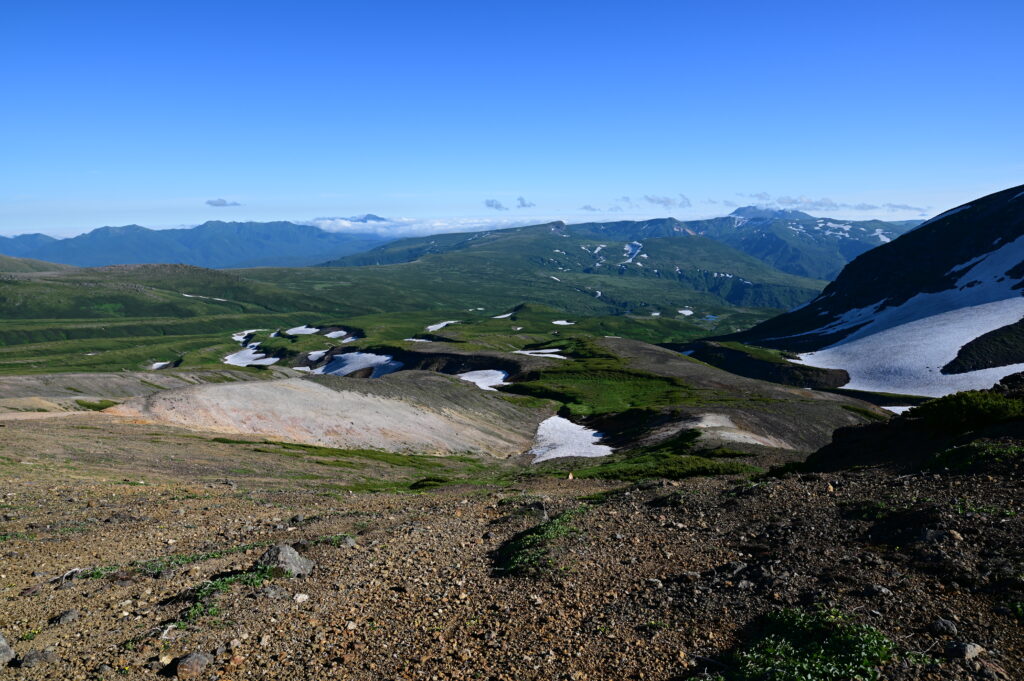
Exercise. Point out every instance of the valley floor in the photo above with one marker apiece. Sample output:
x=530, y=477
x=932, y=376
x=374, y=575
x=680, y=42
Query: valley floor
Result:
x=657, y=581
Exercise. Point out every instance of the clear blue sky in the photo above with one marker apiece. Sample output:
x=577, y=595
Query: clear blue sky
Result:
x=141, y=112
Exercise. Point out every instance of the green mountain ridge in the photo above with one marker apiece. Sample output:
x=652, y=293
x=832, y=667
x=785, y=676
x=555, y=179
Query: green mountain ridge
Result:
x=609, y=263
x=212, y=244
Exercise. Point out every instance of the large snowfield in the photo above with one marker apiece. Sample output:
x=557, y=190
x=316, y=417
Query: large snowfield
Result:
x=902, y=349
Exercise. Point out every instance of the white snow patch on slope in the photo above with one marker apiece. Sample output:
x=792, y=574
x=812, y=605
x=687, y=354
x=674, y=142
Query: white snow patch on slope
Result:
x=898, y=410
x=159, y=365
x=881, y=236
x=336, y=334
x=350, y=362
x=562, y=322
x=902, y=349
x=907, y=358
x=242, y=335
x=502, y=316
x=316, y=355
x=417, y=340
x=558, y=437
x=632, y=249
x=485, y=379
x=441, y=325
x=549, y=352
x=301, y=330
x=685, y=313
x=250, y=356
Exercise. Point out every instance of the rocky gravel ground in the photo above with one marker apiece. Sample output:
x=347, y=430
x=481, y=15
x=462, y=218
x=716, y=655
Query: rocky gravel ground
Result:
x=194, y=578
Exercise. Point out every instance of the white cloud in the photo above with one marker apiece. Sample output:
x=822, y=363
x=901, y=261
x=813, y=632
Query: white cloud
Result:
x=401, y=227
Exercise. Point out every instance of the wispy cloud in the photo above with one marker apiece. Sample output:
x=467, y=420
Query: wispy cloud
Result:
x=221, y=203
x=590, y=208
x=523, y=203
x=495, y=204
x=684, y=202
x=663, y=201
x=626, y=201
x=806, y=203
x=615, y=209
x=402, y=227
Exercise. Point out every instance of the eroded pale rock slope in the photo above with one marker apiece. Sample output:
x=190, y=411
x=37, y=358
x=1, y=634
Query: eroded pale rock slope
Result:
x=411, y=412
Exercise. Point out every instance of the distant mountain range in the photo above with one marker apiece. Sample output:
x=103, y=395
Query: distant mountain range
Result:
x=617, y=264
x=937, y=310
x=798, y=243
x=211, y=244
x=790, y=241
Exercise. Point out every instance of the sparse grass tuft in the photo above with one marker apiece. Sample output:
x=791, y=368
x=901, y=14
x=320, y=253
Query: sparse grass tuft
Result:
x=95, y=406
x=529, y=551
x=202, y=597
x=800, y=645
x=966, y=411
x=976, y=456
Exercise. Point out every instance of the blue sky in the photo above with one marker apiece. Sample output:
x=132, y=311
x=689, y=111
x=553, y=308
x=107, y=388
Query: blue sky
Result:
x=140, y=112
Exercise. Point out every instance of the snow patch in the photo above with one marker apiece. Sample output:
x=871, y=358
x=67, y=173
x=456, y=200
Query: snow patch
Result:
x=441, y=325
x=485, y=379
x=632, y=249
x=417, y=340
x=502, y=316
x=558, y=437
x=350, y=362
x=548, y=352
x=159, y=365
x=242, y=335
x=336, y=334
x=250, y=356
x=301, y=330
x=898, y=410
x=562, y=322
x=685, y=313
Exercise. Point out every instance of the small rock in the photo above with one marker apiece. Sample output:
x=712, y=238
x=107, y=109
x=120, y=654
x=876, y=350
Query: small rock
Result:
x=878, y=590
x=274, y=593
x=65, y=617
x=301, y=598
x=350, y=625
x=958, y=650
x=36, y=658
x=6, y=654
x=285, y=559
x=655, y=583
x=297, y=519
x=104, y=670
x=192, y=665
x=943, y=627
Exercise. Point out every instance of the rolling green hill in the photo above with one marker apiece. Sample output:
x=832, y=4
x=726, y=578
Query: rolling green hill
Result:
x=580, y=268
x=19, y=265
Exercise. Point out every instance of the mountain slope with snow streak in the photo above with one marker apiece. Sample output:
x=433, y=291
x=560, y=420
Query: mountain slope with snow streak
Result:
x=901, y=317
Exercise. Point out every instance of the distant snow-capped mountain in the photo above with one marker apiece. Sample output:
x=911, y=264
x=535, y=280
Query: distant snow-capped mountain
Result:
x=935, y=311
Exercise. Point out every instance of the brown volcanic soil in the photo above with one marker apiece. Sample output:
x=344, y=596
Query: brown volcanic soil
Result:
x=657, y=585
